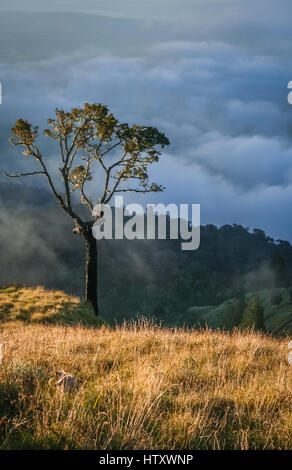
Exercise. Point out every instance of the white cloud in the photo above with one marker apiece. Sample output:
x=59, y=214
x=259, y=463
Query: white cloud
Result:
x=225, y=112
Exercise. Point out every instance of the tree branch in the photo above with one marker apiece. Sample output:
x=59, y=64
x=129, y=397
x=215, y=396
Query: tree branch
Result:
x=18, y=175
x=134, y=190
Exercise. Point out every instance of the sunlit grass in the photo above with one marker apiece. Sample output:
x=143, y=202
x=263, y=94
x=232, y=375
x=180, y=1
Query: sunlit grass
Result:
x=39, y=305
x=144, y=387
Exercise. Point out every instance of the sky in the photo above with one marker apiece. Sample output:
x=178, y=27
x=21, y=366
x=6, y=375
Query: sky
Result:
x=217, y=88
x=209, y=12
x=160, y=9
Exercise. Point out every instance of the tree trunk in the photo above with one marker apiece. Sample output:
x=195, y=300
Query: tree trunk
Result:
x=91, y=270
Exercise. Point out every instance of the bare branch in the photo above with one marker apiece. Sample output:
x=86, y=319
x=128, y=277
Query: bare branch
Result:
x=18, y=175
x=114, y=190
x=80, y=128
x=149, y=190
x=86, y=176
x=109, y=149
x=61, y=148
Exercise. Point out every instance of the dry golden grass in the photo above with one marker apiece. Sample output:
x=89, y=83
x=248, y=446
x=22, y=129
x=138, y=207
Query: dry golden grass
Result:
x=39, y=305
x=144, y=387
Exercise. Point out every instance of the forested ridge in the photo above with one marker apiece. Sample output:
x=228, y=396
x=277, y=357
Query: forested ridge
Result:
x=140, y=277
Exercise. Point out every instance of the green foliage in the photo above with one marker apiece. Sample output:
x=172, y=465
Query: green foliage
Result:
x=24, y=133
x=253, y=315
x=276, y=299
x=277, y=318
x=226, y=316
x=279, y=270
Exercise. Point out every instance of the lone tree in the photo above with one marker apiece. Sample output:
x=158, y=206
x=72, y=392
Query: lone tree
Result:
x=90, y=139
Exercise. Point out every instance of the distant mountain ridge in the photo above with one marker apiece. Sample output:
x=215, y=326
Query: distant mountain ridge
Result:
x=149, y=277
x=29, y=36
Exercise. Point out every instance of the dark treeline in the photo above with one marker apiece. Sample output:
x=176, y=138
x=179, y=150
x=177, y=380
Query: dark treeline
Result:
x=152, y=277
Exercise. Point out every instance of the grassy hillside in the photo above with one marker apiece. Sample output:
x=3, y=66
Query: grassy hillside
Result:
x=38, y=305
x=277, y=305
x=143, y=387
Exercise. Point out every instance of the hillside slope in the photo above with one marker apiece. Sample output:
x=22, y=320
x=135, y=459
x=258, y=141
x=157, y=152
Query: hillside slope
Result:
x=277, y=305
x=48, y=254
x=142, y=387
x=38, y=305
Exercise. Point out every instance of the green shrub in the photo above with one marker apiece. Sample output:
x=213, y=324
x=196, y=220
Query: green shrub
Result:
x=253, y=315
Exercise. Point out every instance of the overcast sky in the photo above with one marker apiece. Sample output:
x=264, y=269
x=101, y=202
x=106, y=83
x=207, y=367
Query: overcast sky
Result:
x=206, y=11
x=220, y=96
